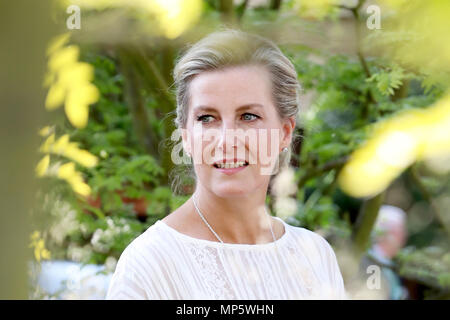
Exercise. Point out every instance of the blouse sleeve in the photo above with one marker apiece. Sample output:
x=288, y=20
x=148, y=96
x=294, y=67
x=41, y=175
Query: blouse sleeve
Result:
x=125, y=283
x=336, y=281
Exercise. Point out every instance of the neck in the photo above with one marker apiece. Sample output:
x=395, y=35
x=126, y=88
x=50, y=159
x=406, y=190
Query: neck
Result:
x=237, y=219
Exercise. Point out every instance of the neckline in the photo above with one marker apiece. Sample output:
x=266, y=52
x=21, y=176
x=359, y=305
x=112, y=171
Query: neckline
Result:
x=218, y=244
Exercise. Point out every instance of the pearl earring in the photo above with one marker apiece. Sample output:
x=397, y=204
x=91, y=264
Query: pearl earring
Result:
x=285, y=149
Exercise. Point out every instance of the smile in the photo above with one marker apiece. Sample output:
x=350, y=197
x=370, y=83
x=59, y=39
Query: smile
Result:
x=230, y=167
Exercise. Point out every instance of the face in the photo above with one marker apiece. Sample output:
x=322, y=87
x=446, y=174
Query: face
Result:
x=232, y=118
x=392, y=240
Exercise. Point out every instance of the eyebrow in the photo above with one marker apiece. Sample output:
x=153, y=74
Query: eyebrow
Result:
x=243, y=107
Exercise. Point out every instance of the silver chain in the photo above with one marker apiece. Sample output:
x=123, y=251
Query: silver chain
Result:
x=206, y=222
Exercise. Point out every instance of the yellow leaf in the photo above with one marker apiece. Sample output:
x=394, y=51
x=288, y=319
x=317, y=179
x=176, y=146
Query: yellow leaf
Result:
x=60, y=146
x=45, y=254
x=42, y=166
x=83, y=157
x=68, y=149
x=45, y=147
x=395, y=144
x=67, y=171
x=63, y=58
x=81, y=188
x=40, y=244
x=175, y=16
x=436, y=137
x=37, y=256
x=49, y=78
x=77, y=114
x=45, y=131
x=35, y=235
x=55, y=96
x=76, y=109
x=88, y=93
x=76, y=74
x=57, y=42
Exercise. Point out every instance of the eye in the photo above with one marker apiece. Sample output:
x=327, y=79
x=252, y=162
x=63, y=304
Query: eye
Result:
x=248, y=116
x=201, y=118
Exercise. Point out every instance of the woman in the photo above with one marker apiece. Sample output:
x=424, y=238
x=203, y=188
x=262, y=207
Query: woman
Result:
x=222, y=243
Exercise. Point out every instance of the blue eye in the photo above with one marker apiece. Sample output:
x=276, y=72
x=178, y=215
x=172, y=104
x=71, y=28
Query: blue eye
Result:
x=246, y=116
x=252, y=115
x=200, y=118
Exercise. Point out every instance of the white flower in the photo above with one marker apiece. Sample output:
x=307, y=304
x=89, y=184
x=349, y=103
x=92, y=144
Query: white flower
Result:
x=84, y=230
x=284, y=183
x=101, y=241
x=110, y=264
x=79, y=254
x=285, y=207
x=110, y=222
x=65, y=220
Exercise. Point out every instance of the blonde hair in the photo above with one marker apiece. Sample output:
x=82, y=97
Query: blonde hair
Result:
x=229, y=48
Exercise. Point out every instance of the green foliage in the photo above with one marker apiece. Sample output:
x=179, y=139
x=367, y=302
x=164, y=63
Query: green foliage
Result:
x=429, y=265
x=332, y=129
x=387, y=80
x=107, y=225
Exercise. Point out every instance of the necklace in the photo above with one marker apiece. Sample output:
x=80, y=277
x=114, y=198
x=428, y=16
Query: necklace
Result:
x=206, y=222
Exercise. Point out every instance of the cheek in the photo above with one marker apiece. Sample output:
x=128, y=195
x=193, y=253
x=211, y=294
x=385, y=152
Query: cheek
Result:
x=201, y=147
x=268, y=144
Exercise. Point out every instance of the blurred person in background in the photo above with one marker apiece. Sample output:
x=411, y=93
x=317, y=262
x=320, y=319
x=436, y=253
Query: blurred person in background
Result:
x=389, y=236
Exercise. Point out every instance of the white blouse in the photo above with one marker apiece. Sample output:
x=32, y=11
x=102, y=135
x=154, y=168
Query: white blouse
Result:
x=163, y=263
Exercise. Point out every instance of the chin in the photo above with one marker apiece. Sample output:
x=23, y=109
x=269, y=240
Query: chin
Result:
x=230, y=190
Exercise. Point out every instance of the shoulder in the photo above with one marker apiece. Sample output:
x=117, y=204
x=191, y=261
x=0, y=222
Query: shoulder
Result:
x=311, y=243
x=138, y=266
x=319, y=252
x=144, y=251
x=151, y=239
x=301, y=233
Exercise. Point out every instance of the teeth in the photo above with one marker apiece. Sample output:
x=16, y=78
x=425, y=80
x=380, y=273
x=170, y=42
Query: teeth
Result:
x=230, y=165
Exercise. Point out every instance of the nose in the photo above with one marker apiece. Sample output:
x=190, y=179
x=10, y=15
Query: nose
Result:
x=227, y=139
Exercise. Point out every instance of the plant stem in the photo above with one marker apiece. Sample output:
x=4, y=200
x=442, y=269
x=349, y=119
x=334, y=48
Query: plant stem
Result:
x=226, y=9
x=313, y=172
x=362, y=60
x=365, y=223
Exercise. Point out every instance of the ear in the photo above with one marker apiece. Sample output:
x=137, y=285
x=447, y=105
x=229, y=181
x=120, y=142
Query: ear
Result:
x=288, y=126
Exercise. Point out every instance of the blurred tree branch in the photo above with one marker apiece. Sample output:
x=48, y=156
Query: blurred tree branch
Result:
x=275, y=4
x=135, y=102
x=226, y=9
x=313, y=172
x=362, y=60
x=240, y=9
x=365, y=223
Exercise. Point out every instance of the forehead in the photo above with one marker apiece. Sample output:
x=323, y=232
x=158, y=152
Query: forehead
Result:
x=233, y=85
